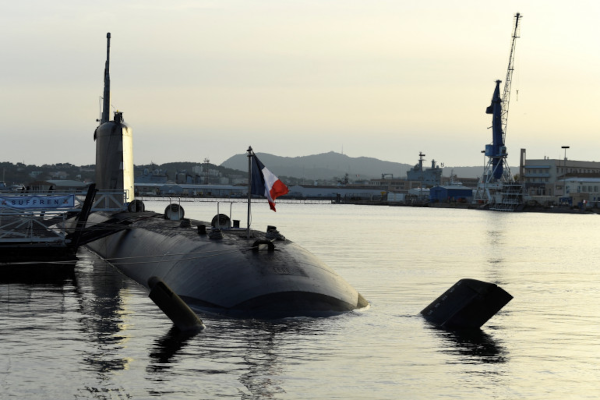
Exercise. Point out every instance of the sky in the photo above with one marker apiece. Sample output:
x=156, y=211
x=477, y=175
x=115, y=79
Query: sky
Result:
x=202, y=79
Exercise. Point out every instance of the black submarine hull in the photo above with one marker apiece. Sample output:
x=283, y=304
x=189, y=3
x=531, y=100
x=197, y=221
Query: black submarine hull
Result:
x=233, y=272
x=234, y=276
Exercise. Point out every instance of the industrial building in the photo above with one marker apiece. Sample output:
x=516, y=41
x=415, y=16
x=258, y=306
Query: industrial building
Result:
x=395, y=184
x=582, y=191
x=172, y=189
x=340, y=193
x=450, y=194
x=549, y=179
x=59, y=185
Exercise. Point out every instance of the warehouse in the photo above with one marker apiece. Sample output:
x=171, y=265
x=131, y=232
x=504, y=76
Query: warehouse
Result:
x=450, y=194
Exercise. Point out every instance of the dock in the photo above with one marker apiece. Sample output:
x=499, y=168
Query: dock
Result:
x=47, y=227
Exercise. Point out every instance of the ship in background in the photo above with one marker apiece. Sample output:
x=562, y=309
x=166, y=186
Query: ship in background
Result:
x=427, y=177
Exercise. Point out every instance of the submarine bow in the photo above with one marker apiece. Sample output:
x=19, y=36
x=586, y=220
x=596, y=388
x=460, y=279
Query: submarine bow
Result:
x=231, y=276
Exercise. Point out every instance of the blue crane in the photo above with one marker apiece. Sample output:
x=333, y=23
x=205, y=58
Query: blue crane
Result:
x=497, y=165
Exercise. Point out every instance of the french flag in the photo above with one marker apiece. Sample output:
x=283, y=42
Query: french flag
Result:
x=264, y=183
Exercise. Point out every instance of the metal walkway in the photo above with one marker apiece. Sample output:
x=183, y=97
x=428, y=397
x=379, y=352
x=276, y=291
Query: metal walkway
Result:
x=33, y=226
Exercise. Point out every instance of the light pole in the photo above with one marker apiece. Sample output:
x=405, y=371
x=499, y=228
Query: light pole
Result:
x=483, y=152
x=565, y=171
x=483, y=184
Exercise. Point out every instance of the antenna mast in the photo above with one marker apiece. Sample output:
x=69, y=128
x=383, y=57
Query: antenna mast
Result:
x=106, y=98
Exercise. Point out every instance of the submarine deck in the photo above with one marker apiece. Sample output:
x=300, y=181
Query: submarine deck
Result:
x=226, y=271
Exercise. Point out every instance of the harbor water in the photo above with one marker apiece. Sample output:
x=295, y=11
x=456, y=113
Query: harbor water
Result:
x=94, y=334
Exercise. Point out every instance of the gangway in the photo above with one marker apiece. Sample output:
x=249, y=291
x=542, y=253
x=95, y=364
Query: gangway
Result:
x=35, y=226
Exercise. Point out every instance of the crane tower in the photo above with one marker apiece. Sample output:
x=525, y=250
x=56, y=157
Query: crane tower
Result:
x=509, y=74
x=496, y=175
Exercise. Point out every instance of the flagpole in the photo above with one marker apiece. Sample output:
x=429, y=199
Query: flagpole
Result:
x=249, y=190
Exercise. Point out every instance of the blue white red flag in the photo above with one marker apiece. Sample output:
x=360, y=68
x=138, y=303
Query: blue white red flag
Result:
x=264, y=183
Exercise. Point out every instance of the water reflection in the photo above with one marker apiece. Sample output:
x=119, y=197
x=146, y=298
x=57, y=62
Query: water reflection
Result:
x=166, y=347
x=31, y=293
x=496, y=234
x=247, y=350
x=472, y=346
x=75, y=341
x=46, y=308
x=53, y=274
x=101, y=310
x=262, y=361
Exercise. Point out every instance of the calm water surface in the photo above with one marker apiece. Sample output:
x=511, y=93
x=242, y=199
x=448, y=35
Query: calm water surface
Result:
x=93, y=334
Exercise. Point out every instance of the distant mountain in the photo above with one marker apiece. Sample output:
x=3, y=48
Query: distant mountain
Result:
x=322, y=166
x=330, y=165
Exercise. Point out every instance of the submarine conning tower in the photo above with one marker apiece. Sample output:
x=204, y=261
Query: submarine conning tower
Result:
x=114, y=145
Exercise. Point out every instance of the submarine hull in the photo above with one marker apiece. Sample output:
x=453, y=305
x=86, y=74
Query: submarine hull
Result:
x=224, y=272
x=230, y=276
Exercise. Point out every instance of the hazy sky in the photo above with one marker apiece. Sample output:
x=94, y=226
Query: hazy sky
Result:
x=385, y=79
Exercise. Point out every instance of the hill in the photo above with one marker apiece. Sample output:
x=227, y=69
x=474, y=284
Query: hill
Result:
x=322, y=166
x=330, y=165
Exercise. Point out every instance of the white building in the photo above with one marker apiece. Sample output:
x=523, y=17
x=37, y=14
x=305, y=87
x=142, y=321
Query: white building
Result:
x=547, y=177
x=583, y=190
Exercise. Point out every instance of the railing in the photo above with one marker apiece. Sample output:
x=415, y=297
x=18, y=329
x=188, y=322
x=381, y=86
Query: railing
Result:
x=187, y=199
x=106, y=200
x=29, y=226
x=34, y=217
x=511, y=198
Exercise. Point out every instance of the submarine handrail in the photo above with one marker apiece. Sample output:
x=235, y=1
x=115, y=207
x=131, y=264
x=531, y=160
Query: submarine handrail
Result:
x=219, y=212
x=109, y=200
x=165, y=257
x=218, y=221
x=171, y=200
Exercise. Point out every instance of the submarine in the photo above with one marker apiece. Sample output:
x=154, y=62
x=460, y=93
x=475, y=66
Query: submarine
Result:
x=213, y=267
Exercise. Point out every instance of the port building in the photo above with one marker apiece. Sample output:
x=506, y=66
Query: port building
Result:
x=450, y=194
x=560, y=180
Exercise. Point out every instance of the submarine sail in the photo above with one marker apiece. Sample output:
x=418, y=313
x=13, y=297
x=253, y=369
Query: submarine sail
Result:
x=114, y=145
